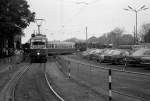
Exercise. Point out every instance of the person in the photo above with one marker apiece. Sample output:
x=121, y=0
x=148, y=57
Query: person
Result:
x=17, y=55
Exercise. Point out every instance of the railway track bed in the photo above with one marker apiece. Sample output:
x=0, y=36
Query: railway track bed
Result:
x=7, y=93
x=28, y=83
x=33, y=86
x=6, y=74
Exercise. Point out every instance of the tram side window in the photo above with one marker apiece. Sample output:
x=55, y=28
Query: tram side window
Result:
x=38, y=43
x=60, y=46
x=56, y=46
x=63, y=46
x=69, y=46
x=52, y=46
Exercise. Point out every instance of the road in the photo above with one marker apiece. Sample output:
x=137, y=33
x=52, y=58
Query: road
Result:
x=126, y=83
x=86, y=82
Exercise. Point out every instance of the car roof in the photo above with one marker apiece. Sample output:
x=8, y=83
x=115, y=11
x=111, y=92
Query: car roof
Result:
x=140, y=51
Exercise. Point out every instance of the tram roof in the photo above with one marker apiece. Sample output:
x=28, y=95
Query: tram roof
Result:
x=60, y=42
x=39, y=36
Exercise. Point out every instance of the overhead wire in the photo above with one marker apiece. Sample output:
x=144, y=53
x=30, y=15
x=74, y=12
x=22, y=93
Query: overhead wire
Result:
x=73, y=16
x=81, y=8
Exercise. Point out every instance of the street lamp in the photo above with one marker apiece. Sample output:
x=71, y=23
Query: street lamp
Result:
x=136, y=12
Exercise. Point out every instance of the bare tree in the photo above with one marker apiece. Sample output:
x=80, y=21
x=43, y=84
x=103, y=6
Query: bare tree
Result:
x=144, y=31
x=114, y=36
x=127, y=39
x=147, y=37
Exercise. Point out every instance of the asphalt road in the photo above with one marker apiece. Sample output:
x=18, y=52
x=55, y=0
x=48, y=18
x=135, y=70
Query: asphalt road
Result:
x=88, y=83
x=131, y=84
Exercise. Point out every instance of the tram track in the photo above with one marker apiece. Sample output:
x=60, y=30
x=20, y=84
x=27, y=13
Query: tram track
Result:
x=8, y=93
x=44, y=87
x=49, y=84
x=52, y=89
x=33, y=85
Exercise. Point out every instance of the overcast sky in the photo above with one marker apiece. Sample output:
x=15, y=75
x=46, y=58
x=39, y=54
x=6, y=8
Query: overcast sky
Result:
x=68, y=18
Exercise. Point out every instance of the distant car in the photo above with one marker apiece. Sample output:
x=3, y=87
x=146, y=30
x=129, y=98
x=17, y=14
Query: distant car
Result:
x=101, y=58
x=139, y=57
x=86, y=53
x=116, y=56
x=95, y=54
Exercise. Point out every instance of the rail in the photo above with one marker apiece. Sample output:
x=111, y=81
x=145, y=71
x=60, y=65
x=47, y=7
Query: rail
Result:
x=51, y=88
x=10, y=91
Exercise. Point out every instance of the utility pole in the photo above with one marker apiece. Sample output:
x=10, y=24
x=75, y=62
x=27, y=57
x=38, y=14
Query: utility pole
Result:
x=39, y=23
x=136, y=38
x=86, y=37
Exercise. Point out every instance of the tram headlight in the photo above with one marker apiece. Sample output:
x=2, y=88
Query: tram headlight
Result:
x=38, y=53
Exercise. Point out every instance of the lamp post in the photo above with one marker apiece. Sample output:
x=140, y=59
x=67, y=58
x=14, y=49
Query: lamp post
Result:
x=86, y=32
x=136, y=13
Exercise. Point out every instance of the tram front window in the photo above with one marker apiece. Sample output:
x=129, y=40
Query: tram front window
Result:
x=38, y=44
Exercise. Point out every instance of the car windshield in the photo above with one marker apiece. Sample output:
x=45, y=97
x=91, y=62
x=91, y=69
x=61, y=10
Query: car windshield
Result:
x=98, y=51
x=110, y=52
x=116, y=52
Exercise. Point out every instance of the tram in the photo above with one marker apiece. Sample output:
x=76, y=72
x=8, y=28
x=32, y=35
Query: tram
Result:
x=38, y=50
x=60, y=47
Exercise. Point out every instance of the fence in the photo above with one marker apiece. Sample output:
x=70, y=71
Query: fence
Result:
x=112, y=84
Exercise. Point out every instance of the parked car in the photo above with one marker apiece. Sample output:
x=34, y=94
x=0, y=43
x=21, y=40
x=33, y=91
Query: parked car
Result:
x=116, y=56
x=95, y=54
x=100, y=58
x=139, y=57
x=86, y=53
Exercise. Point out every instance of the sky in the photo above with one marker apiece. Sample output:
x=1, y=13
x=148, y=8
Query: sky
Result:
x=65, y=19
